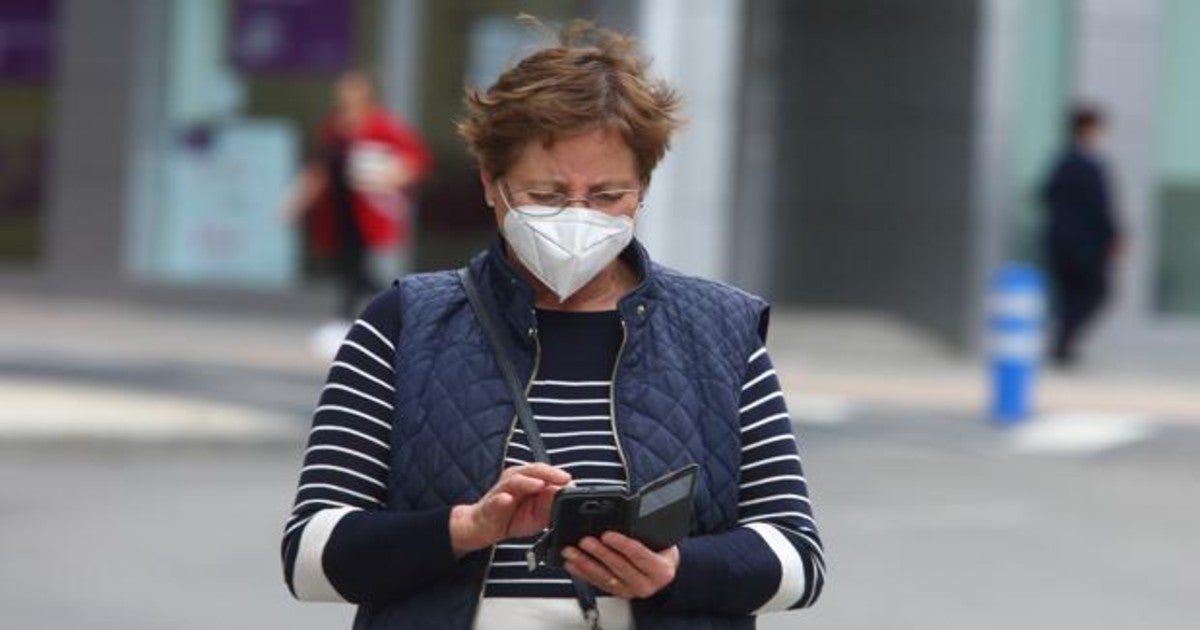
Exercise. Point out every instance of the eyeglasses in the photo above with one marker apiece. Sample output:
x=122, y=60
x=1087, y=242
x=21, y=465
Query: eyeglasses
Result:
x=552, y=202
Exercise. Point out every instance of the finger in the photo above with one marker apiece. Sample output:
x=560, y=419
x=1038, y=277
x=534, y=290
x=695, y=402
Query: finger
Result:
x=612, y=560
x=573, y=569
x=520, y=485
x=660, y=570
x=577, y=573
x=545, y=472
x=525, y=479
x=638, y=554
x=537, y=502
x=585, y=567
x=550, y=474
x=637, y=580
x=497, y=507
x=545, y=503
x=588, y=567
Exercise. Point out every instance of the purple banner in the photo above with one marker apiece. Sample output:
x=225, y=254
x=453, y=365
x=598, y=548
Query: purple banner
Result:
x=26, y=39
x=292, y=36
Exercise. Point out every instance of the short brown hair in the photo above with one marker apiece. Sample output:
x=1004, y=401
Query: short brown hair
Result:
x=591, y=79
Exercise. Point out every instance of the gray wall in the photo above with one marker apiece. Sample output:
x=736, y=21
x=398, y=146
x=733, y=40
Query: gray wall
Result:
x=752, y=226
x=696, y=46
x=872, y=183
x=91, y=131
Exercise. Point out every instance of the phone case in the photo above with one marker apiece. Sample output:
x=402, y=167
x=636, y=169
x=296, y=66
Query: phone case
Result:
x=659, y=515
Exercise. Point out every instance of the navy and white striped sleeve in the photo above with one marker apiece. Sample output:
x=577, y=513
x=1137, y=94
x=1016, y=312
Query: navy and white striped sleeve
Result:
x=773, y=492
x=339, y=544
x=775, y=555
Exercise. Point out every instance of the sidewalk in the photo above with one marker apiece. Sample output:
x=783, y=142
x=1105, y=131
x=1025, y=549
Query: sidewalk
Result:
x=72, y=368
x=75, y=369
x=865, y=359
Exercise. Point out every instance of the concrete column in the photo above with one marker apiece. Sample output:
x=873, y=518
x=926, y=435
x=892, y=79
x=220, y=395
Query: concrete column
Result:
x=696, y=45
x=753, y=228
x=404, y=26
x=996, y=93
x=91, y=131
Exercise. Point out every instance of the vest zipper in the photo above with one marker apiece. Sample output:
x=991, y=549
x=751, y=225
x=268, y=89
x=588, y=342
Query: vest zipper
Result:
x=612, y=406
x=512, y=428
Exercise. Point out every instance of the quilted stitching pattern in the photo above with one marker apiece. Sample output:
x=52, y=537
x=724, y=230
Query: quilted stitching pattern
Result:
x=677, y=393
x=683, y=387
x=453, y=412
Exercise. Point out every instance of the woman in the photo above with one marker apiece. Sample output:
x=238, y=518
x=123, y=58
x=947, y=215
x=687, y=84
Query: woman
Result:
x=418, y=498
x=356, y=186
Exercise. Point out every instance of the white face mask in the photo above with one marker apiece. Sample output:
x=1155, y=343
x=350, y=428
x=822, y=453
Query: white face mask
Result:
x=567, y=248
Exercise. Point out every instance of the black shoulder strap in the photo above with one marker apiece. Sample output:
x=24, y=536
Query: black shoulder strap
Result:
x=524, y=412
x=587, y=599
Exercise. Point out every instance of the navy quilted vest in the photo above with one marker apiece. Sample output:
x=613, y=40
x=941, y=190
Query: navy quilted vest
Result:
x=676, y=392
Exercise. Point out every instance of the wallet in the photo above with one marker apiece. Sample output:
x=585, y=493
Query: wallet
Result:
x=659, y=515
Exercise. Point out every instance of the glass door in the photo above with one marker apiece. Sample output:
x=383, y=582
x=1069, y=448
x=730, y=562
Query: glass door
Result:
x=1178, y=265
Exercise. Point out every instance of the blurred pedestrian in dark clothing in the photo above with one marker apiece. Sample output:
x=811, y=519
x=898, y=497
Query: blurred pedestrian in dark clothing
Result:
x=1082, y=237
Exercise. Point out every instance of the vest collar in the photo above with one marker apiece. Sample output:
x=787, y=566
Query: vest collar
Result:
x=513, y=295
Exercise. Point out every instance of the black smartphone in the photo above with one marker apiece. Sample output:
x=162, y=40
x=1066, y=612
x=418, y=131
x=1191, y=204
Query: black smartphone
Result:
x=659, y=515
x=581, y=512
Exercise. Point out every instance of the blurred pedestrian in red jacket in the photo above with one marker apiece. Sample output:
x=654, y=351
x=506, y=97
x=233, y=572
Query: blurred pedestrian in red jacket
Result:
x=357, y=187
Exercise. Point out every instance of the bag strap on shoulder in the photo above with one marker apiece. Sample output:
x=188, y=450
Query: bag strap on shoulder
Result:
x=583, y=592
x=507, y=370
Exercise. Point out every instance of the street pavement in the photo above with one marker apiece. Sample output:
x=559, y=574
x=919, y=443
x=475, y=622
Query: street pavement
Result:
x=149, y=459
x=929, y=522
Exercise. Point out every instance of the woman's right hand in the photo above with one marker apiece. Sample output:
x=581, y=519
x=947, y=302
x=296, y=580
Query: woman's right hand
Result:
x=518, y=506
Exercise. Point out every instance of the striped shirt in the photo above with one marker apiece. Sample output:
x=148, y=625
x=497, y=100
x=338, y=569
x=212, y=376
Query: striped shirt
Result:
x=337, y=517
x=570, y=401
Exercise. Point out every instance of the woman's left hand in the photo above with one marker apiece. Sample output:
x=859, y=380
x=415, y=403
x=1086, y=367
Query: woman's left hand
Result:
x=621, y=565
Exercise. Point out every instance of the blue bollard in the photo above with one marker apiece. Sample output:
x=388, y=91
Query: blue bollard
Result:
x=1016, y=313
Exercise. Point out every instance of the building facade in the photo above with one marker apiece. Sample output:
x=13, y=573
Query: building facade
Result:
x=868, y=155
